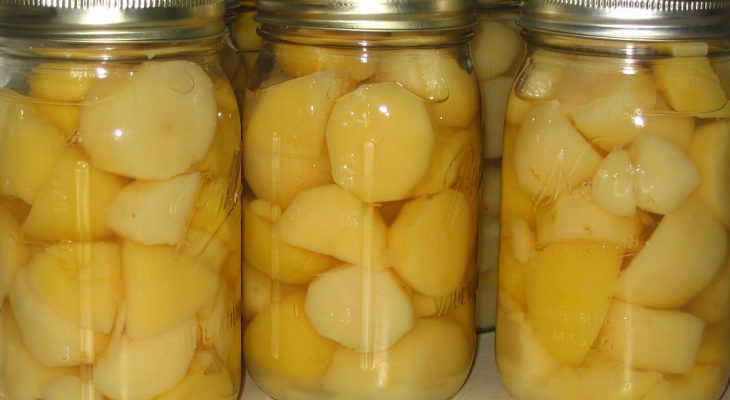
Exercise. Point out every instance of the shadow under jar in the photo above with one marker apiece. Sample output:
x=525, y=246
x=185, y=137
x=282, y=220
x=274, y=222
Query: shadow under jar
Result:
x=119, y=203
x=614, y=278
x=362, y=157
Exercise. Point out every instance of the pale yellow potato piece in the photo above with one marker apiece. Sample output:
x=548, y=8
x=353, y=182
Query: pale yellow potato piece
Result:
x=662, y=340
x=162, y=288
x=689, y=84
x=517, y=109
x=568, y=288
x=299, y=60
x=14, y=251
x=282, y=344
x=496, y=47
x=517, y=246
x=684, y=254
x=258, y=290
x=279, y=178
x=363, y=310
x=61, y=81
x=264, y=249
x=328, y=220
x=541, y=76
x=289, y=118
x=51, y=338
x=70, y=387
x=216, y=325
x=574, y=215
x=81, y=281
x=454, y=154
x=612, y=185
x=713, y=303
x=710, y=152
x=27, y=377
x=514, y=202
x=550, y=155
x=381, y=141
x=610, y=121
x=419, y=366
x=664, y=176
x=600, y=378
x=438, y=78
x=71, y=204
x=29, y=146
x=206, y=377
x=523, y=363
x=431, y=242
x=224, y=156
x=66, y=117
x=143, y=368
x=155, y=124
x=702, y=382
x=154, y=212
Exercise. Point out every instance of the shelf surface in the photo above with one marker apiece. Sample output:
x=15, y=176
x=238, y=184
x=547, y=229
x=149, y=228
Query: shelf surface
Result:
x=483, y=383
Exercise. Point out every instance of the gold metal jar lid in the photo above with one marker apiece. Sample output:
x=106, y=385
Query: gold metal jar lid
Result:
x=490, y=4
x=111, y=21
x=662, y=20
x=368, y=15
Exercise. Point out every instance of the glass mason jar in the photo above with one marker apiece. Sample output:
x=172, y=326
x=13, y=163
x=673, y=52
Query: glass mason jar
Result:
x=120, y=203
x=362, y=154
x=614, y=278
x=497, y=51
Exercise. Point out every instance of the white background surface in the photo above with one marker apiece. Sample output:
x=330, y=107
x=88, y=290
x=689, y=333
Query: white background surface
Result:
x=483, y=383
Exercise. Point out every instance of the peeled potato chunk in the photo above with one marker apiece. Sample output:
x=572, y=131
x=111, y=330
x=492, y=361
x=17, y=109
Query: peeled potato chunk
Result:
x=143, y=368
x=72, y=202
x=29, y=146
x=289, y=118
x=610, y=121
x=568, y=287
x=154, y=212
x=550, y=154
x=665, y=176
x=710, y=152
x=61, y=81
x=380, y=140
x=689, y=84
x=80, y=281
x=154, y=124
x=300, y=60
x=24, y=376
x=363, y=310
x=574, y=215
x=14, y=252
x=346, y=228
x=407, y=370
x=702, y=382
x=431, y=242
x=644, y=338
x=162, y=288
x=438, y=78
x=282, y=343
x=52, y=338
x=258, y=290
x=266, y=252
x=613, y=186
x=495, y=48
x=684, y=254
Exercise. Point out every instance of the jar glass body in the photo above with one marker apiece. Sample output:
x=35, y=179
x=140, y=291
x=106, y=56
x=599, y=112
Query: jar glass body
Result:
x=120, y=213
x=361, y=172
x=497, y=50
x=614, y=276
